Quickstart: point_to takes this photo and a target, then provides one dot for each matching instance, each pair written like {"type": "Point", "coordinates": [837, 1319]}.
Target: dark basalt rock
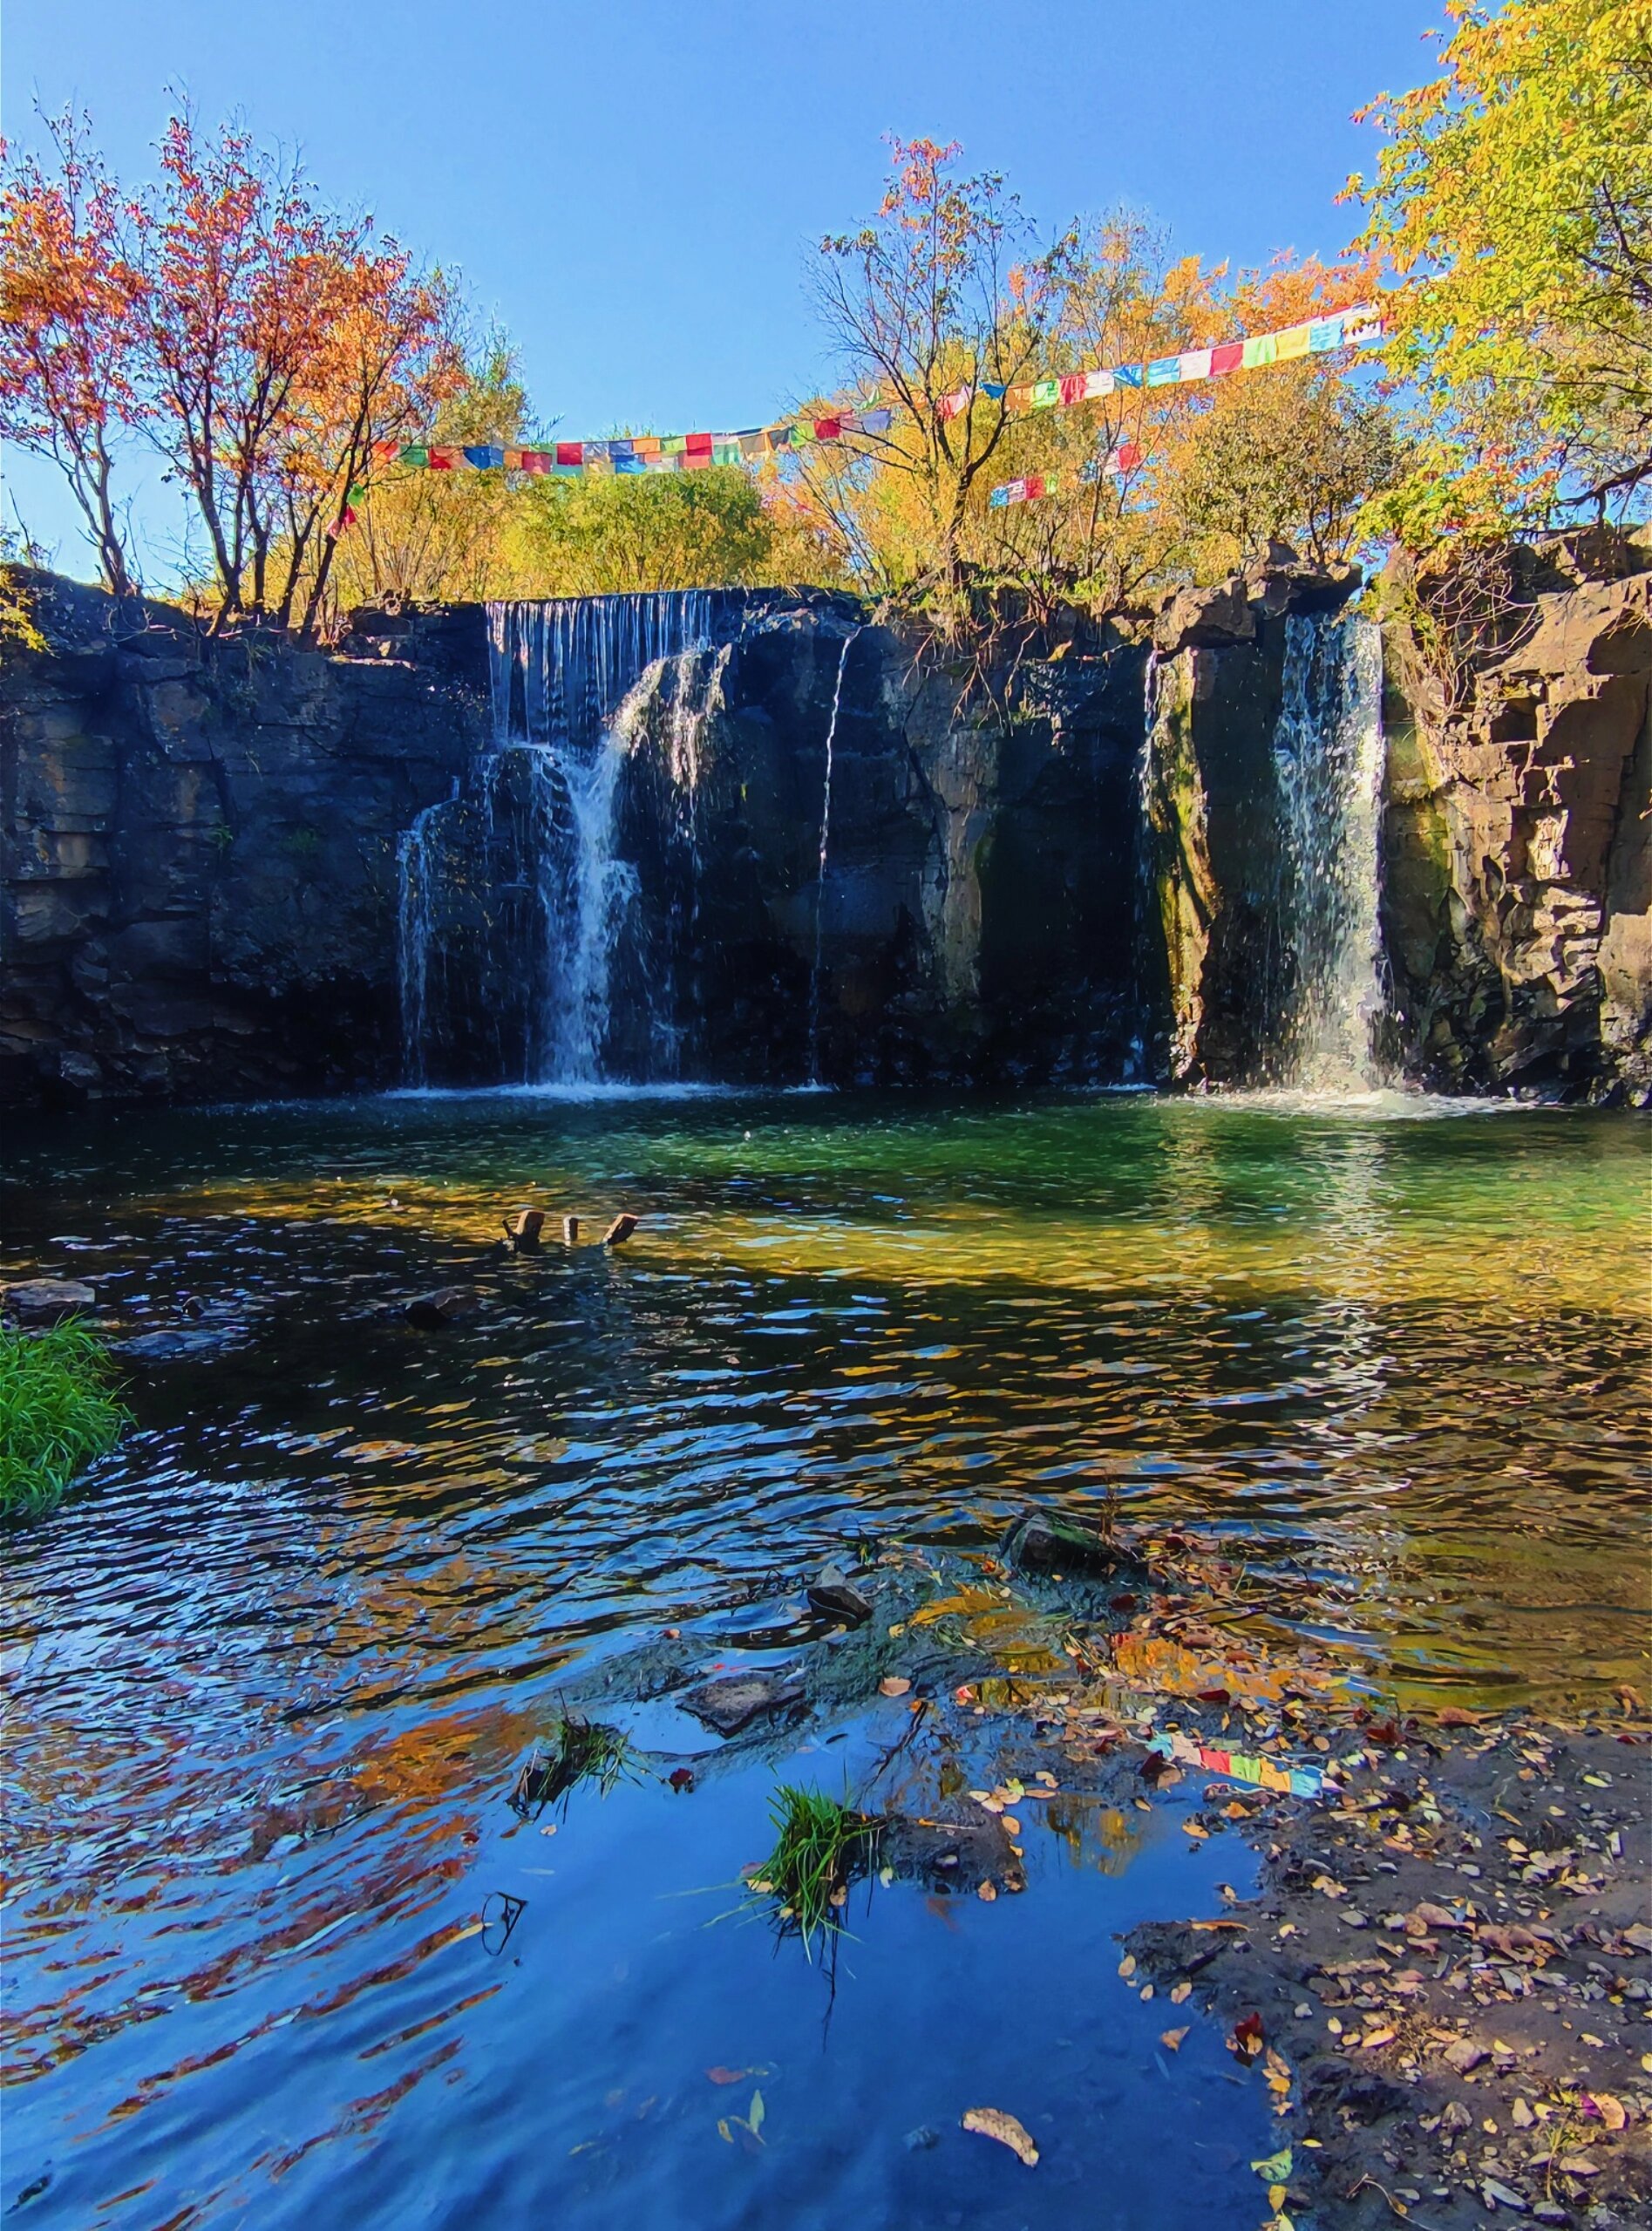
{"type": "Point", "coordinates": [447, 1305]}
{"type": "Point", "coordinates": [835, 1597]}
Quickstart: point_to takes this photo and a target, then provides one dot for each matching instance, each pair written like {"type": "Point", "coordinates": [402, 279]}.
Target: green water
{"type": "Point", "coordinates": [274, 1665]}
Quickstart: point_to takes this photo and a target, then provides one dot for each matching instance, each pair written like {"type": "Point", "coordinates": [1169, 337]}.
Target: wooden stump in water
{"type": "Point", "coordinates": [619, 1231]}
{"type": "Point", "coordinates": [570, 1231]}
{"type": "Point", "coordinates": [522, 1231]}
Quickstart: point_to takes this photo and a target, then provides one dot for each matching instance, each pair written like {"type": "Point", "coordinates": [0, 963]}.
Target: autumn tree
{"type": "Point", "coordinates": [1514, 198]}
{"type": "Point", "coordinates": [69, 319]}
{"type": "Point", "coordinates": [603, 533]}
{"type": "Point", "coordinates": [279, 341]}
{"type": "Point", "coordinates": [940, 297]}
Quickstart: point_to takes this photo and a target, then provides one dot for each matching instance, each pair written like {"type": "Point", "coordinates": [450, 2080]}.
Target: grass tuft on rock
{"type": "Point", "coordinates": [56, 1411]}
{"type": "Point", "coordinates": [579, 1750]}
{"type": "Point", "coordinates": [820, 1846]}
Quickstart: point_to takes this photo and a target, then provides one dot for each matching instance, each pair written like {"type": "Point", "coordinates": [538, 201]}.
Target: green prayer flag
{"type": "Point", "coordinates": [1262, 350]}
{"type": "Point", "coordinates": [416, 453]}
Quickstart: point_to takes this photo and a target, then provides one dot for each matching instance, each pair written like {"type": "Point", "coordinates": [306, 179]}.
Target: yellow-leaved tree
{"type": "Point", "coordinates": [1514, 199]}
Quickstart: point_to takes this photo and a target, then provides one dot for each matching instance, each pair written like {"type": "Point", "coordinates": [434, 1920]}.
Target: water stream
{"type": "Point", "coordinates": [1328, 754]}
{"type": "Point", "coordinates": [820, 877]}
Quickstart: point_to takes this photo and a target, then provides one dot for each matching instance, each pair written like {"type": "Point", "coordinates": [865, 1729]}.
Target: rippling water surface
{"type": "Point", "coordinates": [274, 1666]}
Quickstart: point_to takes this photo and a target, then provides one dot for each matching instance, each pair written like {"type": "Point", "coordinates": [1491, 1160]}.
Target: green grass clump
{"type": "Point", "coordinates": [580, 1751]}
{"type": "Point", "coordinates": [820, 1846]}
{"type": "Point", "coordinates": [56, 1411]}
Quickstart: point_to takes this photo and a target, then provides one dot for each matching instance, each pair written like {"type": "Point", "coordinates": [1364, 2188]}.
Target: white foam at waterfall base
{"type": "Point", "coordinates": [1328, 756]}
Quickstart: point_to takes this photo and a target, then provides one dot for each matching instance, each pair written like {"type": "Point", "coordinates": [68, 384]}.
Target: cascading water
{"type": "Point", "coordinates": [561, 671]}
{"type": "Point", "coordinates": [820, 880]}
{"type": "Point", "coordinates": [1328, 756]}
{"type": "Point", "coordinates": [413, 895]}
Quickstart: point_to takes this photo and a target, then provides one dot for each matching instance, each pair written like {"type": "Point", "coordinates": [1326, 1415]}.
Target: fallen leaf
{"type": "Point", "coordinates": [1372, 2038]}
{"type": "Point", "coordinates": [1192, 1828]}
{"type": "Point", "coordinates": [992, 2122]}
{"type": "Point", "coordinates": [1276, 2168]}
{"type": "Point", "coordinates": [1172, 2039]}
{"type": "Point", "coordinates": [985, 1891]}
{"type": "Point", "coordinates": [724, 2133]}
{"type": "Point", "coordinates": [728, 2075]}
{"type": "Point", "coordinates": [754, 2114]}
{"type": "Point", "coordinates": [894, 1684]}
{"type": "Point", "coordinates": [1179, 1992]}
{"type": "Point", "coordinates": [1454, 1716]}
{"type": "Point", "coordinates": [1127, 1965]}
{"type": "Point", "coordinates": [1611, 2111]}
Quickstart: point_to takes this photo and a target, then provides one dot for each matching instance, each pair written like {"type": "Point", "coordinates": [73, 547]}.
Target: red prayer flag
{"type": "Point", "coordinates": [445, 460]}
{"type": "Point", "coordinates": [1072, 387]}
{"type": "Point", "coordinates": [570, 452]}
{"type": "Point", "coordinates": [698, 446]}
{"type": "Point", "coordinates": [1228, 358]}
{"type": "Point", "coordinates": [1127, 456]}
{"type": "Point", "coordinates": [828, 429]}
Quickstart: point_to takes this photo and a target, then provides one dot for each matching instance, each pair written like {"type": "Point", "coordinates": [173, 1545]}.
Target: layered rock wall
{"type": "Point", "coordinates": [1518, 894]}
{"type": "Point", "coordinates": [200, 848]}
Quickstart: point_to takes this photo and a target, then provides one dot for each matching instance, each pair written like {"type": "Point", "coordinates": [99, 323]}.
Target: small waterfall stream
{"type": "Point", "coordinates": [821, 879]}
{"type": "Point", "coordinates": [1328, 756]}
{"type": "Point", "coordinates": [413, 896]}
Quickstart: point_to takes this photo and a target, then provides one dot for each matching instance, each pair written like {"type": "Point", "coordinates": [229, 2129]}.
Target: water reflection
{"type": "Point", "coordinates": [274, 1668]}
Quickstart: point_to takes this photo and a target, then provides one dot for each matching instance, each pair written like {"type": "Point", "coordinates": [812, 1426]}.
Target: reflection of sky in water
{"type": "Point", "coordinates": [273, 1667]}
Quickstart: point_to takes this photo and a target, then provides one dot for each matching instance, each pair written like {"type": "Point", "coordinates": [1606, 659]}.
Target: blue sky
{"type": "Point", "coordinates": [633, 187]}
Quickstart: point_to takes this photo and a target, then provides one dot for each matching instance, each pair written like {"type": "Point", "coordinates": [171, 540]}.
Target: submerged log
{"type": "Point", "coordinates": [522, 1231]}
{"type": "Point", "coordinates": [447, 1305]}
{"type": "Point", "coordinates": [619, 1231]}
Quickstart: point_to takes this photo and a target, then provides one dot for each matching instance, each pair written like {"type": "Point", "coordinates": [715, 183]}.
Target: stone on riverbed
{"type": "Point", "coordinates": [47, 1301]}
{"type": "Point", "coordinates": [834, 1594]}
{"type": "Point", "coordinates": [447, 1305]}
{"type": "Point", "coordinates": [185, 1345]}
{"type": "Point", "coordinates": [953, 1856]}
{"type": "Point", "coordinates": [1045, 1542]}
{"type": "Point", "coordinates": [733, 1701]}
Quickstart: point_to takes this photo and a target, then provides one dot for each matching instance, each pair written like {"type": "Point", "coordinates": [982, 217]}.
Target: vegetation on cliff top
{"type": "Point", "coordinates": [228, 315]}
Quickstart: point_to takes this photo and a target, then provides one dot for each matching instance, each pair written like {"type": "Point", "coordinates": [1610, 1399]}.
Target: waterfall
{"type": "Point", "coordinates": [414, 890]}
{"type": "Point", "coordinates": [821, 878]}
{"type": "Point", "coordinates": [1328, 756]}
{"type": "Point", "coordinates": [561, 672]}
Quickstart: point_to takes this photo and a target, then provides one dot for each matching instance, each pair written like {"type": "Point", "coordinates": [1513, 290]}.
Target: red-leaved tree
{"type": "Point", "coordinates": [70, 326]}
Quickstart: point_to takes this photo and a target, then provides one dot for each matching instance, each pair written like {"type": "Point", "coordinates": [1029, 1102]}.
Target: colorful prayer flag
{"type": "Point", "coordinates": [1261, 348]}
{"type": "Point", "coordinates": [1126, 458]}
{"type": "Point", "coordinates": [1129, 375]}
{"type": "Point", "coordinates": [1291, 343]}
{"type": "Point", "coordinates": [415, 453]}
{"type": "Point", "coordinates": [697, 444]}
{"type": "Point", "coordinates": [876, 422]}
{"type": "Point", "coordinates": [485, 456]}
{"type": "Point", "coordinates": [1325, 333]}
{"type": "Point", "coordinates": [534, 461]}
{"type": "Point", "coordinates": [1045, 393]}
{"type": "Point", "coordinates": [446, 460]}
{"type": "Point", "coordinates": [1194, 363]}
{"type": "Point", "coordinates": [1018, 399]}
{"type": "Point", "coordinates": [627, 462]}
{"type": "Point", "coordinates": [569, 453]}
{"type": "Point", "coordinates": [1072, 389]}
{"type": "Point", "coordinates": [1230, 358]}
{"type": "Point", "coordinates": [725, 452]}
{"type": "Point", "coordinates": [1097, 382]}
{"type": "Point", "coordinates": [387, 452]}
{"type": "Point", "coordinates": [1164, 371]}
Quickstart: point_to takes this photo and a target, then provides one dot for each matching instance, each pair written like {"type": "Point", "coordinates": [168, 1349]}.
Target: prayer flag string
{"type": "Point", "coordinates": [643, 453]}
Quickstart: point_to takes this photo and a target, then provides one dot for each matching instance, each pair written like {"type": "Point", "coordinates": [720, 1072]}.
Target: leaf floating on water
{"type": "Point", "coordinates": [894, 1684]}
{"type": "Point", "coordinates": [1172, 2039]}
{"type": "Point", "coordinates": [721, 2075]}
{"type": "Point", "coordinates": [754, 2114]}
{"type": "Point", "coordinates": [992, 2122]}
{"type": "Point", "coordinates": [724, 2133]}
{"type": "Point", "coordinates": [986, 1891]}
{"type": "Point", "coordinates": [1275, 2168]}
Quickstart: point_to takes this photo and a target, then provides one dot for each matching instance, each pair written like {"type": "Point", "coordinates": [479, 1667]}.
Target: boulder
{"type": "Point", "coordinates": [1203, 619]}
{"type": "Point", "coordinates": [48, 1301]}
{"type": "Point", "coordinates": [835, 1597]}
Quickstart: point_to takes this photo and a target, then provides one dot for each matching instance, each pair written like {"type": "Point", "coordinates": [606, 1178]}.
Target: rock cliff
{"type": "Point", "coordinates": [1518, 897]}
{"type": "Point", "coordinates": [199, 846]}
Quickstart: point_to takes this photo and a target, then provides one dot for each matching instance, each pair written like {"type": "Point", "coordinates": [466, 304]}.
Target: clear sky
{"type": "Point", "coordinates": [633, 187]}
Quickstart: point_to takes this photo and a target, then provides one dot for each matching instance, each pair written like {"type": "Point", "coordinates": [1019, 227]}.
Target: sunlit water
{"type": "Point", "coordinates": [273, 1668]}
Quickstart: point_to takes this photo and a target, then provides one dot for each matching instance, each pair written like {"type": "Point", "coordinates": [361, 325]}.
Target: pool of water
{"type": "Point", "coordinates": [274, 1666]}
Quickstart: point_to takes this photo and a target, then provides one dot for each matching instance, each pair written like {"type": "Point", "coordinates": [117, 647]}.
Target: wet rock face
{"type": "Point", "coordinates": [1518, 898]}
{"type": "Point", "coordinates": [200, 885]}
